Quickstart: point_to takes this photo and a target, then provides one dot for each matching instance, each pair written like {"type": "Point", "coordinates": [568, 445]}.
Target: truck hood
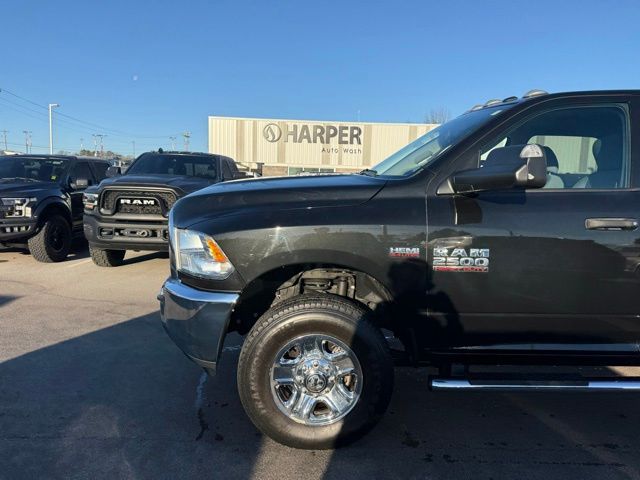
{"type": "Point", "coordinates": [180, 183]}
{"type": "Point", "coordinates": [15, 187]}
{"type": "Point", "coordinates": [277, 193]}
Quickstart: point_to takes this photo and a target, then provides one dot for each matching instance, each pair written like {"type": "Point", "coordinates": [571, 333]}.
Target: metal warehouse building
{"type": "Point", "coordinates": [290, 147]}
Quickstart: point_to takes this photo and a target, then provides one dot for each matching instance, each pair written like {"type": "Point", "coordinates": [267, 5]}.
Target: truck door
{"type": "Point", "coordinates": [556, 268]}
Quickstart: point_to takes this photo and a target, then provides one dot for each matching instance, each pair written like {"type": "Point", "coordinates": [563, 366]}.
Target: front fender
{"type": "Point", "coordinates": [350, 237]}
{"type": "Point", "coordinates": [58, 201]}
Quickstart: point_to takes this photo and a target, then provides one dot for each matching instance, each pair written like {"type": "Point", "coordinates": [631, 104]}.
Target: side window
{"type": "Point", "coordinates": [586, 147]}
{"type": "Point", "coordinates": [100, 169]}
{"type": "Point", "coordinates": [82, 170]}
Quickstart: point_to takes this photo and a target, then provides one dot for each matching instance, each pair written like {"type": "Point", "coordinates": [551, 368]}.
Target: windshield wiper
{"type": "Point", "coordinates": [368, 172]}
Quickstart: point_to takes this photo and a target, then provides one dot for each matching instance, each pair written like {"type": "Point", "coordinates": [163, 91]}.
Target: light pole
{"type": "Point", "coordinates": [51, 107]}
{"type": "Point", "coordinates": [173, 143]}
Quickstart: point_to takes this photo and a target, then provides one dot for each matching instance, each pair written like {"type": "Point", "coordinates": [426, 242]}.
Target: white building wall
{"type": "Point", "coordinates": [280, 144]}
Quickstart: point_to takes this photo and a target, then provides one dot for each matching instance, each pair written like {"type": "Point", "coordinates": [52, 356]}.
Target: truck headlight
{"type": "Point", "coordinates": [90, 200]}
{"type": "Point", "coordinates": [18, 207]}
{"type": "Point", "coordinates": [199, 255]}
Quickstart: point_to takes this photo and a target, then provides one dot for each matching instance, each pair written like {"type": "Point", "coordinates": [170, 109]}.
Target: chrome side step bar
{"type": "Point", "coordinates": [601, 385]}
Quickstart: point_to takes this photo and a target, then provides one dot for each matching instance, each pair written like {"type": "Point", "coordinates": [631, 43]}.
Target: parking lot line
{"type": "Point", "coordinates": [81, 262]}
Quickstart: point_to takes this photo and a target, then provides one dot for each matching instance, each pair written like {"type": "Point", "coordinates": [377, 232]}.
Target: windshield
{"type": "Point", "coordinates": [427, 148]}
{"type": "Point", "coordinates": [32, 168]}
{"type": "Point", "coordinates": [166, 164]}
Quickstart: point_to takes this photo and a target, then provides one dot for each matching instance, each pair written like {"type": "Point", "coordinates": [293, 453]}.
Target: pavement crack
{"type": "Point", "coordinates": [200, 398]}
{"type": "Point", "coordinates": [204, 426]}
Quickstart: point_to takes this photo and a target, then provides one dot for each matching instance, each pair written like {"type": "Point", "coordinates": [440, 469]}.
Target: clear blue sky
{"type": "Point", "coordinates": [159, 68]}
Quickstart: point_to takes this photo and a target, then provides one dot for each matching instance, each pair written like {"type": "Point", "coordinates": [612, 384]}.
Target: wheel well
{"type": "Point", "coordinates": [54, 208]}
{"type": "Point", "coordinates": [286, 282]}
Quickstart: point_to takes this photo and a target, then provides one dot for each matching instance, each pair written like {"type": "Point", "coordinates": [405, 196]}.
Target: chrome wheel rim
{"type": "Point", "coordinates": [316, 380]}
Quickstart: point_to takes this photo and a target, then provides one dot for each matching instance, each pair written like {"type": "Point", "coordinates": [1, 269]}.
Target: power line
{"type": "Point", "coordinates": [38, 147]}
{"type": "Point", "coordinates": [91, 124]}
{"type": "Point", "coordinates": [20, 109]}
{"type": "Point", "coordinates": [62, 124]}
{"type": "Point", "coordinates": [77, 125]}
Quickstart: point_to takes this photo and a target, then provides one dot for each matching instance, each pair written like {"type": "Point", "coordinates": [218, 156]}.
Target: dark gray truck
{"type": "Point", "coordinates": [508, 235]}
{"type": "Point", "coordinates": [129, 211]}
{"type": "Point", "coordinates": [41, 201]}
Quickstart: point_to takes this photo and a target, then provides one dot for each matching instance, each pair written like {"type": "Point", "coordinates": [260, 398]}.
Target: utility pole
{"type": "Point", "coordinates": [97, 137]}
{"type": "Point", "coordinates": [134, 148]}
{"type": "Point", "coordinates": [4, 133]}
{"type": "Point", "coordinates": [173, 143]}
{"type": "Point", "coordinates": [51, 107]}
{"type": "Point", "coordinates": [27, 141]}
{"type": "Point", "coordinates": [81, 143]}
{"type": "Point", "coordinates": [187, 136]}
{"type": "Point", "coordinates": [101, 145]}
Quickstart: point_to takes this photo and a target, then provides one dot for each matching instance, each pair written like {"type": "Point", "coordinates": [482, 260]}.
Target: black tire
{"type": "Point", "coordinates": [53, 242]}
{"type": "Point", "coordinates": [330, 315]}
{"type": "Point", "coordinates": [106, 258]}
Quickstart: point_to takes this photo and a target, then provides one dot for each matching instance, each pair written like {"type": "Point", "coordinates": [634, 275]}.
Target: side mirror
{"type": "Point", "coordinates": [504, 168]}
{"type": "Point", "coordinates": [113, 171]}
{"type": "Point", "coordinates": [79, 183]}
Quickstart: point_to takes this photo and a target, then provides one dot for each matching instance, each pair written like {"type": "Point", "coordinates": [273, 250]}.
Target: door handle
{"type": "Point", "coordinates": [611, 223]}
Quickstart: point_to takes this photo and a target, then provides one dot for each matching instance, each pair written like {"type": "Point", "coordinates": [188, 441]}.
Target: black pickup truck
{"type": "Point", "coordinates": [41, 201]}
{"type": "Point", "coordinates": [129, 211]}
{"type": "Point", "coordinates": [506, 236]}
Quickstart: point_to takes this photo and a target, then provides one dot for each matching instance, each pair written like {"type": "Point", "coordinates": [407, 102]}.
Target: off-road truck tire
{"type": "Point", "coordinates": [106, 258]}
{"type": "Point", "coordinates": [53, 242]}
{"type": "Point", "coordinates": [312, 319]}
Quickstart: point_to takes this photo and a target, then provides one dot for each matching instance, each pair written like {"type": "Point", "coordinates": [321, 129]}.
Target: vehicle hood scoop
{"type": "Point", "coordinates": [180, 183]}
{"type": "Point", "coordinates": [277, 193]}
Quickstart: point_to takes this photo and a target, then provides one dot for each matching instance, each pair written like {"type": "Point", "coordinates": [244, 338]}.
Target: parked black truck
{"type": "Point", "coordinates": [41, 201]}
{"type": "Point", "coordinates": [129, 211]}
{"type": "Point", "coordinates": [508, 235]}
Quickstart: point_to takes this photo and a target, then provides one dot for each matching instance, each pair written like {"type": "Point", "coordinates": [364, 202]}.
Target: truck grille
{"type": "Point", "coordinates": [114, 201]}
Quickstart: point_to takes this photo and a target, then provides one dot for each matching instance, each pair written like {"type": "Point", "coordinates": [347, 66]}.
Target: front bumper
{"type": "Point", "coordinates": [16, 229]}
{"type": "Point", "coordinates": [126, 235]}
{"type": "Point", "coordinates": [196, 321]}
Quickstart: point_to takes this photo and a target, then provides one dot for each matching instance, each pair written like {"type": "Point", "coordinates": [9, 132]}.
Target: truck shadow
{"type": "Point", "coordinates": [132, 260]}
{"type": "Point", "coordinates": [79, 250]}
{"type": "Point", "coordinates": [123, 402]}
{"type": "Point", "coordinates": [7, 299]}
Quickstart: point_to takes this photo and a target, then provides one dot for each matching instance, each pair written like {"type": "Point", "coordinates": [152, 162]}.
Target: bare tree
{"type": "Point", "coordinates": [438, 115]}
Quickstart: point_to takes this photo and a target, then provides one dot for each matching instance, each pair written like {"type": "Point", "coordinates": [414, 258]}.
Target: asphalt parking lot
{"type": "Point", "coordinates": [91, 387]}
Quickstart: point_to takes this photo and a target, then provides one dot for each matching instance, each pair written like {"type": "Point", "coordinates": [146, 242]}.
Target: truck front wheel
{"type": "Point", "coordinates": [53, 242]}
{"type": "Point", "coordinates": [106, 258]}
{"type": "Point", "coordinates": [314, 372]}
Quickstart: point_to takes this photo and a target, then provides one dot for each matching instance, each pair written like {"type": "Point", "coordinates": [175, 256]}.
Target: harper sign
{"type": "Point", "coordinates": [322, 134]}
